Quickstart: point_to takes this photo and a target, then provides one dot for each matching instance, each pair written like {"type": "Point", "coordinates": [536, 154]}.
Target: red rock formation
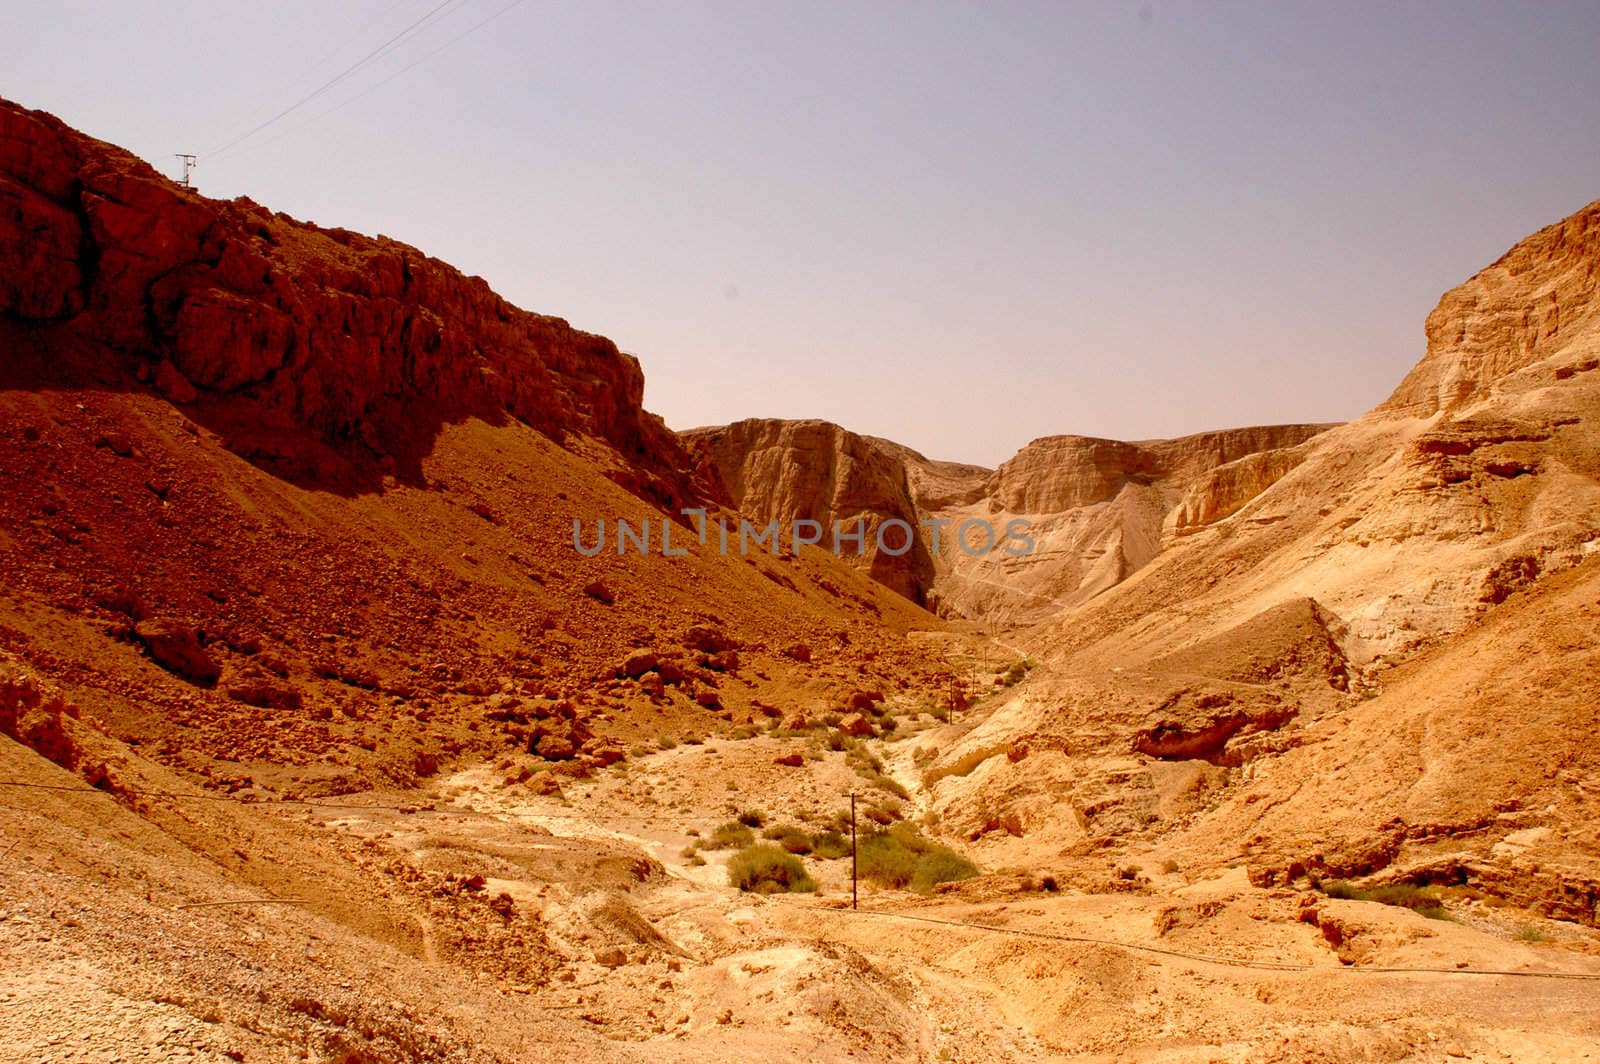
{"type": "Point", "coordinates": [266, 327]}
{"type": "Point", "coordinates": [814, 470]}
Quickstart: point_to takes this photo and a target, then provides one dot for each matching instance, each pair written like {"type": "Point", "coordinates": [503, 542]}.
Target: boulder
{"type": "Point", "coordinates": [722, 661]}
{"type": "Point", "coordinates": [555, 748]}
{"type": "Point", "coordinates": [856, 724]}
{"type": "Point", "coordinates": [177, 647]}
{"type": "Point", "coordinates": [864, 701]}
{"type": "Point", "coordinates": [638, 663]}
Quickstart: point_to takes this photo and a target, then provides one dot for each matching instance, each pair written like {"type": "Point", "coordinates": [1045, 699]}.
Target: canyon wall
{"type": "Point", "coordinates": [1096, 510]}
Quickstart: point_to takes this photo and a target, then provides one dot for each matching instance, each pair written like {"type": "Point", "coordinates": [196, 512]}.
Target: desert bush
{"type": "Point", "coordinates": [830, 844]}
{"type": "Point", "coordinates": [1529, 933]}
{"type": "Point", "coordinates": [883, 859]}
{"type": "Point", "coordinates": [731, 835]}
{"type": "Point", "coordinates": [792, 838]}
{"type": "Point", "coordinates": [751, 818]}
{"type": "Point", "coordinates": [941, 865]}
{"type": "Point", "coordinates": [1420, 900]}
{"type": "Point", "coordinates": [666, 742]}
{"type": "Point", "coordinates": [885, 783]}
{"type": "Point", "coordinates": [903, 857]}
{"type": "Point", "coordinates": [768, 869]}
{"type": "Point", "coordinates": [1016, 673]}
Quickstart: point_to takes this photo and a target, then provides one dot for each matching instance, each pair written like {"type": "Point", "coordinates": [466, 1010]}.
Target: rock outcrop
{"type": "Point", "coordinates": [1096, 510]}
{"type": "Point", "coordinates": [272, 330]}
{"type": "Point", "coordinates": [816, 471]}
{"type": "Point", "coordinates": [1537, 299]}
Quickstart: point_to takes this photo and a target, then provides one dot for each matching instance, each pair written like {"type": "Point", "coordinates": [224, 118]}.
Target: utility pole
{"type": "Point", "coordinates": [853, 865]}
{"type": "Point", "coordinates": [188, 169]}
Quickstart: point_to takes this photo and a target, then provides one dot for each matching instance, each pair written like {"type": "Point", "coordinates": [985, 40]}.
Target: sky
{"type": "Point", "coordinates": [959, 226]}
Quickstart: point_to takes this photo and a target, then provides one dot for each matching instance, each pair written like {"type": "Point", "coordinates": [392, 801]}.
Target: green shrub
{"type": "Point", "coordinates": [903, 857]}
{"type": "Point", "coordinates": [767, 869]}
{"type": "Point", "coordinates": [731, 835]}
{"type": "Point", "coordinates": [666, 742]}
{"type": "Point", "coordinates": [1530, 934]}
{"type": "Point", "coordinates": [885, 783]}
{"type": "Point", "coordinates": [883, 859]}
{"type": "Point", "coordinates": [941, 865]}
{"type": "Point", "coordinates": [830, 844]}
{"type": "Point", "coordinates": [1420, 900]}
{"type": "Point", "coordinates": [791, 838]}
{"type": "Point", "coordinates": [1017, 672]}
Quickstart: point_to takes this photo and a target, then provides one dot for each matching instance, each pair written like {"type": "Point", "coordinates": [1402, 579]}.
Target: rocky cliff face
{"type": "Point", "coordinates": [813, 470]}
{"type": "Point", "coordinates": [1218, 493]}
{"type": "Point", "coordinates": [1097, 509]}
{"type": "Point", "coordinates": [277, 332]}
{"type": "Point", "coordinates": [1534, 301]}
{"type": "Point", "coordinates": [1059, 473]}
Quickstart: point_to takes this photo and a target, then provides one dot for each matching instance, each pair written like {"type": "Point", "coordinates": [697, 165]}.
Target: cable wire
{"type": "Point", "coordinates": [314, 119]}
{"type": "Point", "coordinates": [432, 15]}
{"type": "Point", "coordinates": [1208, 958]}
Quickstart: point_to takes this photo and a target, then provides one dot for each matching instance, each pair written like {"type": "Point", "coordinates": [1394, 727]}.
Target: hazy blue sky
{"type": "Point", "coordinates": [959, 226]}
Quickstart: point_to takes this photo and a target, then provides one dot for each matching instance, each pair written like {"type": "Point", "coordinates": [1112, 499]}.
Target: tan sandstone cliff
{"type": "Point", "coordinates": [1095, 510]}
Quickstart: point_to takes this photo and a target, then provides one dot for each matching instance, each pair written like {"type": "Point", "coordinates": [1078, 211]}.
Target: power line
{"type": "Point", "coordinates": [314, 119]}
{"type": "Point", "coordinates": [1208, 958]}
{"type": "Point", "coordinates": [432, 15]}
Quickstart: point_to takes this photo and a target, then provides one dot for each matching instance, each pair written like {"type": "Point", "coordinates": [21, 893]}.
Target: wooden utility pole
{"type": "Point", "coordinates": [853, 865]}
